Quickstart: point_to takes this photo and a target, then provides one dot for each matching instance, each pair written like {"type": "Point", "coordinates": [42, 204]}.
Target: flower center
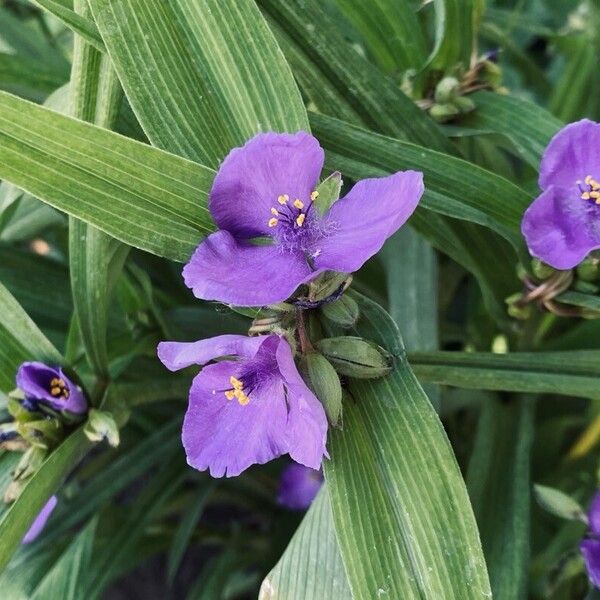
{"type": "Point", "coordinates": [291, 214]}
{"type": "Point", "coordinates": [589, 189]}
{"type": "Point", "coordinates": [58, 388]}
{"type": "Point", "coordinates": [237, 391]}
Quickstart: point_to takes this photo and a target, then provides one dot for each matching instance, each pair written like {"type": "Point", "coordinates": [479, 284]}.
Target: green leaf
{"type": "Point", "coordinates": [311, 566]}
{"type": "Point", "coordinates": [66, 578]}
{"type": "Point", "coordinates": [400, 506]}
{"type": "Point", "coordinates": [18, 518]}
{"type": "Point", "coordinates": [558, 503]}
{"type": "Point", "coordinates": [500, 488]}
{"type": "Point", "coordinates": [391, 31]}
{"type": "Point", "coordinates": [20, 340]}
{"type": "Point", "coordinates": [199, 84]}
{"type": "Point", "coordinates": [140, 195]}
{"type": "Point", "coordinates": [570, 373]}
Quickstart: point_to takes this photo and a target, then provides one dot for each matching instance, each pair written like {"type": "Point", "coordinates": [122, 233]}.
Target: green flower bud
{"type": "Point", "coordinates": [328, 191]}
{"type": "Point", "coordinates": [492, 73]}
{"type": "Point", "coordinates": [41, 433]}
{"type": "Point", "coordinates": [101, 426]}
{"type": "Point", "coordinates": [516, 309]}
{"type": "Point", "coordinates": [446, 90]}
{"type": "Point", "coordinates": [327, 284]}
{"type": "Point", "coordinates": [464, 104]}
{"type": "Point", "coordinates": [443, 112]}
{"type": "Point", "coordinates": [356, 357]}
{"type": "Point", "coordinates": [541, 270]}
{"type": "Point", "coordinates": [343, 312]}
{"type": "Point", "coordinates": [325, 383]}
{"type": "Point", "coordinates": [30, 463]}
{"type": "Point", "coordinates": [588, 269]}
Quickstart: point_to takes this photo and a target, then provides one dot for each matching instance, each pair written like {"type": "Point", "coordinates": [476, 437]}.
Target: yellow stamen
{"type": "Point", "coordinates": [230, 394]}
{"type": "Point", "coordinates": [272, 222]}
{"type": "Point", "coordinates": [283, 199]}
{"type": "Point", "coordinates": [55, 391]}
{"type": "Point", "coordinates": [314, 195]}
{"type": "Point", "coordinates": [586, 195]}
{"type": "Point", "coordinates": [594, 195]}
{"type": "Point", "coordinates": [588, 180]}
{"type": "Point", "coordinates": [236, 383]}
{"type": "Point", "coordinates": [595, 185]}
{"type": "Point", "coordinates": [54, 381]}
{"type": "Point", "coordinates": [66, 393]}
{"type": "Point", "coordinates": [242, 398]}
{"type": "Point", "coordinates": [298, 203]}
{"type": "Point", "coordinates": [274, 211]}
{"type": "Point", "coordinates": [300, 219]}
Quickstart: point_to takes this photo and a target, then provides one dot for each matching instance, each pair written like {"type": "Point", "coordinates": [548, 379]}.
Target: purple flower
{"type": "Point", "coordinates": [267, 189]}
{"type": "Point", "coordinates": [562, 225]}
{"type": "Point", "coordinates": [590, 547]}
{"type": "Point", "coordinates": [247, 409]}
{"type": "Point", "coordinates": [40, 521]}
{"type": "Point", "coordinates": [299, 486]}
{"type": "Point", "coordinates": [47, 385]}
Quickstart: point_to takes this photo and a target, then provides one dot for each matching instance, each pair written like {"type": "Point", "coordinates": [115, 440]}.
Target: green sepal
{"type": "Point", "coordinates": [356, 357]}
{"type": "Point", "coordinates": [343, 312]}
{"type": "Point", "coordinates": [329, 191]}
{"type": "Point", "coordinates": [41, 433]}
{"type": "Point", "coordinates": [325, 383]}
{"type": "Point", "coordinates": [101, 425]}
{"type": "Point", "coordinates": [559, 504]}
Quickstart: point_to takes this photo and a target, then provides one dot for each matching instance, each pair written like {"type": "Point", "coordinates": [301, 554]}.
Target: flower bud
{"type": "Point", "coordinates": [443, 112]}
{"type": "Point", "coordinates": [446, 90]}
{"type": "Point", "coordinates": [100, 426]}
{"type": "Point", "coordinates": [343, 312]}
{"type": "Point", "coordinates": [327, 284]}
{"type": "Point", "coordinates": [325, 383]}
{"type": "Point", "coordinates": [41, 433]}
{"type": "Point", "coordinates": [516, 309]}
{"type": "Point", "coordinates": [588, 269]}
{"type": "Point", "coordinates": [356, 357]}
{"type": "Point", "coordinates": [541, 270]}
{"type": "Point", "coordinates": [328, 192]}
{"type": "Point", "coordinates": [464, 104]}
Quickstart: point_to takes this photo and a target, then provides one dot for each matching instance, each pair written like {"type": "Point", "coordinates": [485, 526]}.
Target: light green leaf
{"type": "Point", "coordinates": [140, 195]}
{"type": "Point", "coordinates": [402, 516]}
{"type": "Point", "coordinates": [201, 77]}
{"type": "Point", "coordinates": [571, 373]}
{"type": "Point", "coordinates": [311, 566]}
{"type": "Point", "coordinates": [20, 340]}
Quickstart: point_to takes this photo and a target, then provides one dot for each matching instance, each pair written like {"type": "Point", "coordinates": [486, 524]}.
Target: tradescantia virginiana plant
{"type": "Point", "coordinates": [324, 217]}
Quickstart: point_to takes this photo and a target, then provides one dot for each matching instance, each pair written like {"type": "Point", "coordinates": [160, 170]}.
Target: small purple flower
{"type": "Point", "coordinates": [590, 547]}
{"type": "Point", "coordinates": [562, 225]}
{"type": "Point", "coordinates": [47, 385]}
{"type": "Point", "coordinates": [40, 521]}
{"type": "Point", "coordinates": [299, 486]}
{"type": "Point", "coordinates": [247, 409]}
{"type": "Point", "coordinates": [267, 189]}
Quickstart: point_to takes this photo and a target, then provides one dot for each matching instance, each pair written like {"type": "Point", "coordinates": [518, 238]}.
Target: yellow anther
{"type": "Point", "coordinates": [298, 203]}
{"type": "Point", "coordinates": [242, 398]}
{"type": "Point", "coordinates": [283, 199]}
{"type": "Point", "coordinates": [586, 195]}
{"type": "Point", "coordinates": [272, 222]}
{"type": "Point", "coordinates": [54, 381]}
{"type": "Point", "coordinates": [66, 393]}
{"type": "Point", "coordinates": [595, 185]}
{"type": "Point", "coordinates": [55, 391]}
{"type": "Point", "coordinates": [588, 180]}
{"type": "Point", "coordinates": [236, 384]}
{"type": "Point", "coordinates": [594, 195]}
{"type": "Point", "coordinates": [230, 394]}
{"type": "Point", "coordinates": [274, 211]}
{"type": "Point", "coordinates": [300, 219]}
{"type": "Point", "coordinates": [314, 195]}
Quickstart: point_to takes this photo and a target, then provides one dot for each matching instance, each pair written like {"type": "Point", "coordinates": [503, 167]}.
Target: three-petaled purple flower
{"type": "Point", "coordinates": [267, 188]}
{"type": "Point", "coordinates": [247, 409]}
{"type": "Point", "coordinates": [46, 385]}
{"type": "Point", "coordinates": [40, 521]}
{"type": "Point", "coordinates": [590, 547]}
{"type": "Point", "coordinates": [299, 486]}
{"type": "Point", "coordinates": [562, 225]}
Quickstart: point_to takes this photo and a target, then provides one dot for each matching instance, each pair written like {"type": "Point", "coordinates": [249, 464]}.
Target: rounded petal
{"type": "Point", "coordinates": [306, 427]}
{"type": "Point", "coordinates": [40, 521]}
{"type": "Point", "coordinates": [561, 229]}
{"type": "Point", "coordinates": [252, 177]}
{"type": "Point", "coordinates": [591, 556]}
{"type": "Point", "coordinates": [178, 355]}
{"type": "Point", "coordinates": [298, 486]}
{"type": "Point", "coordinates": [572, 154]}
{"type": "Point", "coordinates": [359, 223]}
{"type": "Point", "coordinates": [225, 437]}
{"type": "Point", "coordinates": [594, 514]}
{"type": "Point", "coordinates": [236, 273]}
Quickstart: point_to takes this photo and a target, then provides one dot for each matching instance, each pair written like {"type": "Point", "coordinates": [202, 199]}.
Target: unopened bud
{"type": "Point", "coordinates": [356, 357]}
{"type": "Point", "coordinates": [327, 284]}
{"type": "Point", "coordinates": [100, 426]}
{"type": "Point", "coordinates": [541, 270]}
{"type": "Point", "coordinates": [492, 73]}
{"type": "Point", "coordinates": [588, 269]}
{"type": "Point", "coordinates": [516, 309]}
{"type": "Point", "coordinates": [443, 112]}
{"type": "Point", "coordinates": [343, 312]}
{"type": "Point", "coordinates": [325, 383]}
{"type": "Point", "coordinates": [41, 433]}
{"type": "Point", "coordinates": [464, 104]}
{"type": "Point", "coordinates": [446, 90]}
{"type": "Point", "coordinates": [328, 192]}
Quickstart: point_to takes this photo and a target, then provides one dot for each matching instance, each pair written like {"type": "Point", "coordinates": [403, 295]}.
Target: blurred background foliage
{"type": "Point", "coordinates": [135, 521]}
